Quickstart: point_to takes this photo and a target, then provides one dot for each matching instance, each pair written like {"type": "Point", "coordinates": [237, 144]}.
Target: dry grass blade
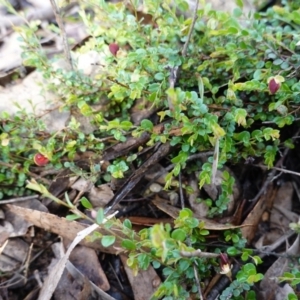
{"type": "Point", "coordinates": [55, 275]}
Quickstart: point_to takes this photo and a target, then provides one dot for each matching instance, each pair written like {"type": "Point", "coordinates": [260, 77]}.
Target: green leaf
{"type": "Point", "coordinates": [270, 155]}
{"type": "Point", "coordinates": [128, 245]}
{"type": "Point", "coordinates": [179, 234]}
{"type": "Point", "coordinates": [191, 222]}
{"type": "Point", "coordinates": [235, 238]}
{"type": "Point", "coordinates": [144, 261]}
{"type": "Point", "coordinates": [86, 203]}
{"type": "Point", "coordinates": [68, 200]}
{"type": "Point", "coordinates": [185, 213]}
{"type": "Point", "coordinates": [243, 136]}
{"type": "Point", "coordinates": [147, 125]}
{"type": "Point", "coordinates": [240, 116]}
{"type": "Point", "coordinates": [245, 256]}
{"type": "Point", "coordinates": [127, 224]}
{"type": "Point", "coordinates": [183, 265]}
{"type": "Point", "coordinates": [277, 61]}
{"type": "Point", "coordinates": [180, 158]}
{"type": "Point", "coordinates": [85, 109]}
{"type": "Point", "coordinates": [108, 240]}
{"type": "Point", "coordinates": [292, 297]}
{"type": "Point", "coordinates": [159, 76]}
{"type": "Point", "coordinates": [158, 235]}
{"type": "Point", "coordinates": [249, 268]}
{"type": "Point", "coordinates": [204, 232]}
{"type": "Point", "coordinates": [232, 251]}
{"type": "Point", "coordinates": [257, 260]}
{"type": "Point", "coordinates": [237, 12]}
{"type": "Point", "coordinates": [72, 217]}
{"type": "Point", "coordinates": [255, 278]}
{"type": "Point", "coordinates": [33, 185]}
{"type": "Point", "coordinates": [126, 125]}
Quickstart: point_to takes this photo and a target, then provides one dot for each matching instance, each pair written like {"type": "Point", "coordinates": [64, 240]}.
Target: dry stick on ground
{"type": "Point", "coordinates": [130, 183]}
{"type": "Point", "coordinates": [181, 191]}
{"type": "Point", "coordinates": [63, 33]}
{"type": "Point", "coordinates": [279, 169]}
{"type": "Point", "coordinates": [19, 199]}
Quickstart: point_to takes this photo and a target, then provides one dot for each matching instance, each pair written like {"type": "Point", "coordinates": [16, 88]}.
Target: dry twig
{"type": "Point", "coordinates": [59, 21]}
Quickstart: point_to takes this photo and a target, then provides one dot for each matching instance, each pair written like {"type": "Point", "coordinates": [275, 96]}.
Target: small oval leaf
{"type": "Point", "coordinates": [86, 203]}
{"type": "Point", "coordinates": [179, 235]}
{"type": "Point", "coordinates": [128, 244]}
{"type": "Point", "coordinates": [108, 240]}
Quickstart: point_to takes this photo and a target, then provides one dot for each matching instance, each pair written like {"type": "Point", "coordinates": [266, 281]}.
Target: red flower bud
{"type": "Point", "coordinates": [113, 48]}
{"type": "Point", "coordinates": [40, 160]}
{"type": "Point", "coordinates": [274, 83]}
{"type": "Point", "coordinates": [273, 86]}
{"type": "Point", "coordinates": [224, 265]}
{"type": "Point", "coordinates": [223, 259]}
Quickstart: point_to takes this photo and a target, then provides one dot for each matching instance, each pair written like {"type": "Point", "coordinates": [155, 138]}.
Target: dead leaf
{"type": "Point", "coordinates": [13, 255]}
{"type": "Point", "coordinates": [80, 277]}
{"type": "Point", "coordinates": [52, 280]}
{"type": "Point", "coordinates": [17, 226]}
{"type": "Point", "coordinates": [87, 262]}
{"type": "Point", "coordinates": [254, 217]}
{"type": "Point", "coordinates": [66, 229]}
{"type": "Point", "coordinates": [99, 196]}
{"type": "Point", "coordinates": [144, 284]}
{"type": "Point", "coordinates": [74, 284]}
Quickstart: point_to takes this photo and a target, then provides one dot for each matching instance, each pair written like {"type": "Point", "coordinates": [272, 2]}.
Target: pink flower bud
{"type": "Point", "coordinates": [113, 48]}
{"type": "Point", "coordinates": [275, 83]}
{"type": "Point", "coordinates": [40, 160]}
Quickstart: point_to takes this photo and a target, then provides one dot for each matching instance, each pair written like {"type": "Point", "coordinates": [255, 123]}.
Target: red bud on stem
{"type": "Point", "coordinates": [113, 48]}
{"type": "Point", "coordinates": [274, 83]}
{"type": "Point", "coordinates": [40, 160]}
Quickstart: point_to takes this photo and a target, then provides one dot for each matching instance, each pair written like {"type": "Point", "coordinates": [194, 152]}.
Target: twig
{"type": "Point", "coordinates": [270, 177]}
{"type": "Point", "coordinates": [116, 276]}
{"type": "Point", "coordinates": [27, 261]}
{"type": "Point", "coordinates": [133, 179]}
{"type": "Point", "coordinates": [19, 199]}
{"type": "Point", "coordinates": [197, 281]}
{"type": "Point", "coordinates": [277, 243]}
{"type": "Point", "coordinates": [198, 253]}
{"type": "Point", "coordinates": [63, 34]}
{"type": "Point", "coordinates": [279, 169]}
{"type": "Point", "coordinates": [264, 187]}
{"type": "Point", "coordinates": [296, 188]}
{"type": "Point", "coordinates": [181, 191]}
{"type": "Point", "coordinates": [174, 71]}
{"type": "Point", "coordinates": [186, 44]}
